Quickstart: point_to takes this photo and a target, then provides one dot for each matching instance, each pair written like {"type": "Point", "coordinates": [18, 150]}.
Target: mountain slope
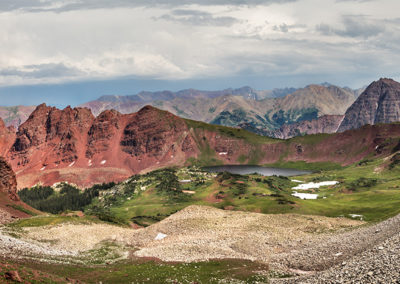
{"type": "Point", "coordinates": [72, 145]}
{"type": "Point", "coordinates": [7, 137]}
{"type": "Point", "coordinates": [379, 103]}
{"type": "Point", "coordinates": [323, 124]}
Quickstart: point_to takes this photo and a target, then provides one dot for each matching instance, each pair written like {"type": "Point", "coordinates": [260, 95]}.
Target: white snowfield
{"type": "Point", "coordinates": [103, 162]}
{"type": "Point", "coordinates": [312, 185]}
{"type": "Point", "coordinates": [305, 195]}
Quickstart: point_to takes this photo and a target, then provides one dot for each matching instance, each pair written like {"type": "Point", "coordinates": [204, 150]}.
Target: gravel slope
{"type": "Point", "coordinates": [199, 233]}
{"type": "Point", "coordinates": [326, 250]}
{"type": "Point", "coordinates": [367, 255]}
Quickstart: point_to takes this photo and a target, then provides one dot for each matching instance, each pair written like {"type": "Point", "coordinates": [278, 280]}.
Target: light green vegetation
{"type": "Point", "coordinates": [368, 188]}
{"type": "Point", "coordinates": [22, 209]}
{"type": "Point", "coordinates": [46, 220]}
{"type": "Point", "coordinates": [136, 271]}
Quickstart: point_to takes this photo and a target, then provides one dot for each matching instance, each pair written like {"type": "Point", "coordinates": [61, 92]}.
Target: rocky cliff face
{"type": "Point", "coordinates": [323, 124]}
{"type": "Point", "coordinates": [11, 207]}
{"type": "Point", "coordinates": [8, 181]}
{"type": "Point", "coordinates": [379, 103]}
{"type": "Point", "coordinates": [73, 145]}
{"type": "Point", "coordinates": [51, 135]}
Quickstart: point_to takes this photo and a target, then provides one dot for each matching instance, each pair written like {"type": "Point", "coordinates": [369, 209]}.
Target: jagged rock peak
{"type": "Point", "coordinates": [379, 103]}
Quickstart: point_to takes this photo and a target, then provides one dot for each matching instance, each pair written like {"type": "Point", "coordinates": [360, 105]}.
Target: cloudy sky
{"type": "Point", "coordinates": [68, 51]}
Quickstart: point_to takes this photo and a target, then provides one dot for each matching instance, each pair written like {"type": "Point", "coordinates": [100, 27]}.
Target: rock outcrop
{"type": "Point", "coordinates": [11, 207]}
{"type": "Point", "coordinates": [8, 181]}
{"type": "Point", "coordinates": [379, 103]}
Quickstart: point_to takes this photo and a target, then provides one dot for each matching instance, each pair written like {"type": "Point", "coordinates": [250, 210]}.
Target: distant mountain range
{"type": "Point", "coordinates": [263, 112]}
{"type": "Point", "coordinates": [15, 115]}
{"type": "Point", "coordinates": [279, 113]}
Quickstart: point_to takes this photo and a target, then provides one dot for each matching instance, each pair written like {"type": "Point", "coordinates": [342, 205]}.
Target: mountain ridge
{"type": "Point", "coordinates": [74, 146]}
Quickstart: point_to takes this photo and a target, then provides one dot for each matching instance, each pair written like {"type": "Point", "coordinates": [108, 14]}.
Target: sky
{"type": "Point", "coordinates": [66, 52]}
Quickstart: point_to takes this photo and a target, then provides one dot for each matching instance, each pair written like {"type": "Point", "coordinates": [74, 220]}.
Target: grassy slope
{"type": "Point", "coordinates": [140, 271]}
{"type": "Point", "coordinates": [231, 132]}
{"type": "Point", "coordinates": [273, 195]}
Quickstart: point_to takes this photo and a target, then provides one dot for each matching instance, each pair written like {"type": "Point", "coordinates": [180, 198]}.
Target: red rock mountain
{"type": "Point", "coordinates": [379, 103]}
{"type": "Point", "coordinates": [72, 145]}
{"type": "Point", "coordinates": [10, 203]}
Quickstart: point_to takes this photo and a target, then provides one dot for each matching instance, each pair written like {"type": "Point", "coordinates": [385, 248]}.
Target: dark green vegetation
{"type": "Point", "coordinates": [66, 197]}
{"type": "Point", "coordinates": [223, 271]}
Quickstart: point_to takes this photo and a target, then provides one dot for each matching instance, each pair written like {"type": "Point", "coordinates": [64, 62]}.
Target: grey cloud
{"type": "Point", "coordinates": [355, 27]}
{"type": "Point", "coordinates": [198, 18]}
{"type": "Point", "coordinates": [284, 28]}
{"type": "Point", "coordinates": [281, 28]}
{"type": "Point", "coordinates": [62, 5]}
{"type": "Point", "coordinates": [40, 71]}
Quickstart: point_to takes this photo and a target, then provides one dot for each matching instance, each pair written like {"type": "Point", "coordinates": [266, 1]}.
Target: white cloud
{"type": "Point", "coordinates": [56, 41]}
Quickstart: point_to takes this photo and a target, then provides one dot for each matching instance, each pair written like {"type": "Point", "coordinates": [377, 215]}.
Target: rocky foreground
{"type": "Point", "coordinates": [312, 249]}
{"type": "Point", "coordinates": [379, 264]}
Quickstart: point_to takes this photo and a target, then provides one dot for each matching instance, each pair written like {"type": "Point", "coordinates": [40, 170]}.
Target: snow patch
{"type": "Point", "coordinates": [185, 181]}
{"type": "Point", "coordinates": [103, 162]}
{"type": "Point", "coordinates": [296, 180]}
{"type": "Point", "coordinates": [42, 169]}
{"type": "Point", "coordinates": [70, 165]}
{"type": "Point", "coordinates": [305, 195]}
{"type": "Point", "coordinates": [356, 216]}
{"type": "Point", "coordinates": [160, 237]}
{"type": "Point", "coordinates": [90, 163]}
{"type": "Point", "coordinates": [313, 185]}
{"type": "Point", "coordinates": [223, 153]}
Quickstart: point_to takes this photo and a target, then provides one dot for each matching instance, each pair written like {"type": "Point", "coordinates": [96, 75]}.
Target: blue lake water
{"type": "Point", "coordinates": [247, 169]}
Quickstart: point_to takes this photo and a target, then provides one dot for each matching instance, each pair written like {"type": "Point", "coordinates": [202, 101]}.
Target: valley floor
{"type": "Point", "coordinates": [219, 229]}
